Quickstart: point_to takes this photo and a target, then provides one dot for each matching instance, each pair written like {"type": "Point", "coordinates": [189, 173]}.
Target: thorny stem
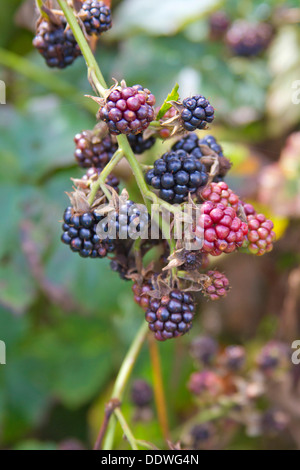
{"type": "Point", "coordinates": [126, 429]}
{"type": "Point", "coordinates": [123, 377]}
{"type": "Point", "coordinates": [158, 388]}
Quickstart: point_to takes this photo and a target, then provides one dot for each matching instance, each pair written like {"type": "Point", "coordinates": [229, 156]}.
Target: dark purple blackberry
{"type": "Point", "coordinates": [80, 233]}
{"type": "Point", "coordinates": [139, 144]}
{"type": "Point", "coordinates": [204, 349]}
{"type": "Point", "coordinates": [176, 174]}
{"type": "Point", "coordinates": [197, 112]}
{"type": "Point", "coordinates": [128, 110]}
{"type": "Point", "coordinates": [93, 150]}
{"type": "Point", "coordinates": [141, 393]}
{"type": "Point", "coordinates": [218, 25]}
{"type": "Point", "coordinates": [201, 434]}
{"type": "Point", "coordinates": [171, 316]}
{"type": "Point", "coordinates": [190, 144]}
{"type": "Point", "coordinates": [94, 173]}
{"type": "Point", "coordinates": [56, 43]}
{"type": "Point", "coordinates": [248, 39]}
{"type": "Point", "coordinates": [129, 222]}
{"type": "Point", "coordinates": [96, 17]}
{"type": "Point", "coordinates": [234, 357]}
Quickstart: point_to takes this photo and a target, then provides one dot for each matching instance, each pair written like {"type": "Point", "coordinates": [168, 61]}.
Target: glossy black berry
{"type": "Point", "coordinates": [92, 150]}
{"type": "Point", "coordinates": [139, 144]}
{"type": "Point", "coordinates": [176, 174]}
{"type": "Point", "coordinates": [96, 17]}
{"type": "Point", "coordinates": [197, 113]}
{"type": "Point", "coordinates": [56, 44]}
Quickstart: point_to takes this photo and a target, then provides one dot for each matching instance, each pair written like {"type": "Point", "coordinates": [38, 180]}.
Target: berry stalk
{"type": "Point", "coordinates": [40, 4]}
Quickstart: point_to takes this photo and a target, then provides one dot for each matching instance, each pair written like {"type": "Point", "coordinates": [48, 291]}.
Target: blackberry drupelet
{"type": "Point", "coordinates": [176, 174]}
{"type": "Point", "coordinates": [171, 316]}
{"type": "Point", "coordinates": [197, 112]}
{"type": "Point", "coordinates": [190, 144]}
{"type": "Point", "coordinates": [128, 110]}
{"type": "Point", "coordinates": [80, 233]}
{"type": "Point", "coordinates": [96, 17]}
{"type": "Point", "coordinates": [139, 144]}
{"type": "Point", "coordinates": [93, 150]}
{"type": "Point", "coordinates": [56, 43]}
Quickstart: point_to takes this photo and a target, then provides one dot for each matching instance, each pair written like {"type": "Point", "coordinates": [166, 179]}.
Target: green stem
{"type": "Point", "coordinates": [43, 77]}
{"type": "Point", "coordinates": [84, 46]}
{"type": "Point", "coordinates": [123, 377]}
{"type": "Point", "coordinates": [126, 429]}
{"type": "Point", "coordinates": [40, 4]}
{"type": "Point", "coordinates": [104, 174]}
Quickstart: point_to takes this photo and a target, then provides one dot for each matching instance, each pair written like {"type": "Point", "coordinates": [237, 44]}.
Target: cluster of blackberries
{"type": "Point", "coordinates": [80, 233]}
{"type": "Point", "coordinates": [197, 112]}
{"type": "Point", "coordinates": [96, 17]}
{"type": "Point", "coordinates": [92, 150]}
{"type": "Point", "coordinates": [176, 174]}
{"type": "Point", "coordinates": [171, 316]}
{"type": "Point", "coordinates": [56, 43]}
{"type": "Point", "coordinates": [128, 110]}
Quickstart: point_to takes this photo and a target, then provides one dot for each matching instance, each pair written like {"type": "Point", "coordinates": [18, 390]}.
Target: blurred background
{"type": "Point", "coordinates": [67, 322]}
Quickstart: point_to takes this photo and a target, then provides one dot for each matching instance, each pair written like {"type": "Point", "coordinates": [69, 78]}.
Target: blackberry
{"type": "Point", "coordinates": [260, 236]}
{"type": "Point", "coordinates": [194, 260]}
{"type": "Point", "coordinates": [93, 174]}
{"type": "Point", "coordinates": [212, 143]}
{"type": "Point", "coordinates": [171, 316]}
{"type": "Point", "coordinates": [217, 286]}
{"type": "Point", "coordinates": [247, 39]}
{"type": "Point", "coordinates": [128, 110]}
{"type": "Point", "coordinates": [219, 228]}
{"type": "Point", "coordinates": [218, 25]}
{"type": "Point", "coordinates": [96, 17]}
{"type": "Point", "coordinates": [141, 393]}
{"type": "Point", "coordinates": [197, 112]}
{"type": "Point", "coordinates": [93, 150]}
{"type": "Point", "coordinates": [201, 435]}
{"type": "Point", "coordinates": [205, 382]}
{"type": "Point", "coordinates": [130, 221]}
{"type": "Point", "coordinates": [234, 357]}
{"type": "Point", "coordinates": [56, 43]}
{"type": "Point", "coordinates": [176, 174]}
{"type": "Point", "coordinates": [80, 233]}
{"type": "Point", "coordinates": [190, 144]}
{"type": "Point", "coordinates": [139, 144]}
{"type": "Point", "coordinates": [140, 293]}
{"type": "Point", "coordinates": [219, 193]}
{"type": "Point", "coordinates": [204, 349]}
{"type": "Point", "coordinates": [273, 355]}
{"type": "Point", "coordinates": [224, 163]}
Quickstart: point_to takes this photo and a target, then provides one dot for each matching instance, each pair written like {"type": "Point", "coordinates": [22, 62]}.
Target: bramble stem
{"type": "Point", "coordinates": [158, 387]}
{"type": "Point", "coordinates": [126, 429]}
{"type": "Point", "coordinates": [123, 377]}
{"type": "Point", "coordinates": [104, 174]}
{"type": "Point", "coordinates": [40, 4]}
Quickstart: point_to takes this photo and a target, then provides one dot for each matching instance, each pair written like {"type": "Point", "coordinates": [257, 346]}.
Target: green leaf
{"type": "Point", "coordinates": [173, 96]}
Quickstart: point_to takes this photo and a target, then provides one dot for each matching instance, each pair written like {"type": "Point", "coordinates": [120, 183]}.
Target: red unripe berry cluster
{"type": "Point", "coordinates": [222, 231]}
{"type": "Point", "coordinates": [140, 294]}
{"type": "Point", "coordinates": [128, 110]}
{"type": "Point", "coordinates": [260, 235]}
{"type": "Point", "coordinates": [219, 286]}
{"type": "Point", "coordinates": [220, 193]}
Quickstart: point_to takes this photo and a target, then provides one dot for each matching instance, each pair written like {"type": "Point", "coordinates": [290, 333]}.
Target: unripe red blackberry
{"type": "Point", "coordinates": [205, 382]}
{"type": "Point", "coordinates": [197, 112]}
{"type": "Point", "coordinates": [217, 286]}
{"type": "Point", "coordinates": [96, 17]}
{"type": "Point", "coordinates": [222, 231]}
{"type": "Point", "coordinates": [141, 296]}
{"type": "Point", "coordinates": [260, 236]}
{"type": "Point", "coordinates": [171, 316]}
{"type": "Point", "coordinates": [80, 233]}
{"type": "Point", "coordinates": [93, 150]}
{"type": "Point", "coordinates": [248, 39]}
{"type": "Point", "coordinates": [128, 110]}
{"type": "Point", "coordinates": [139, 144]}
{"type": "Point", "coordinates": [204, 349]}
{"type": "Point", "coordinates": [219, 193]}
{"type": "Point", "coordinates": [234, 357]}
{"type": "Point", "coordinates": [176, 174]}
{"type": "Point", "coordinates": [141, 393]}
{"type": "Point", "coordinates": [56, 43]}
{"type": "Point", "coordinates": [93, 174]}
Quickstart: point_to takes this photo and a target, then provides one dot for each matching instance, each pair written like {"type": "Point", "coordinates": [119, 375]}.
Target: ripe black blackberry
{"type": "Point", "coordinates": [80, 233]}
{"type": "Point", "coordinates": [248, 39]}
{"type": "Point", "coordinates": [197, 112]}
{"type": "Point", "coordinates": [56, 43]}
{"type": "Point", "coordinates": [93, 150]}
{"type": "Point", "coordinates": [96, 17]}
{"type": "Point", "coordinates": [171, 316]}
{"type": "Point", "coordinates": [176, 174]}
{"type": "Point", "coordinates": [139, 144]}
{"type": "Point", "coordinates": [224, 163]}
{"type": "Point", "coordinates": [141, 393]}
{"type": "Point", "coordinates": [93, 174]}
{"type": "Point", "coordinates": [212, 143]}
{"type": "Point", "coordinates": [128, 110]}
{"type": "Point", "coordinates": [190, 144]}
